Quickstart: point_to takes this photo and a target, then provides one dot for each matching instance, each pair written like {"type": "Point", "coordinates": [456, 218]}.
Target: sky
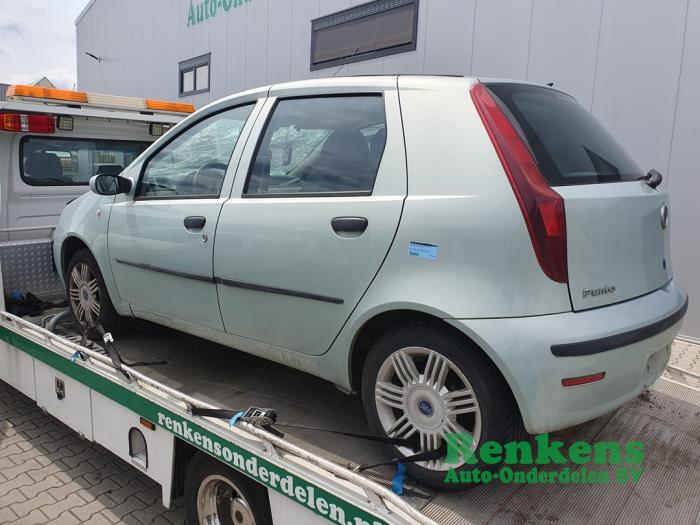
{"type": "Point", "coordinates": [37, 39]}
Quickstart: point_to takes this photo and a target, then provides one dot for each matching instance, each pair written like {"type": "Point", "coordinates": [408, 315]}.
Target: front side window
{"type": "Point", "coordinates": [319, 146]}
{"type": "Point", "coordinates": [53, 161]}
{"type": "Point", "coordinates": [194, 163]}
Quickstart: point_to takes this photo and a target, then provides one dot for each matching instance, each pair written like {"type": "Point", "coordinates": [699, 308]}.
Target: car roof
{"type": "Point", "coordinates": [361, 82]}
{"type": "Point", "coordinates": [315, 86]}
{"type": "Point", "coordinates": [344, 84]}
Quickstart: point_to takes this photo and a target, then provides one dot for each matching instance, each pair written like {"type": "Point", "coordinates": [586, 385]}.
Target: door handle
{"type": "Point", "coordinates": [349, 224]}
{"type": "Point", "coordinates": [195, 222]}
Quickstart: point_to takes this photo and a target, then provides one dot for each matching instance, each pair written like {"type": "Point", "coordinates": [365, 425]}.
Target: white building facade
{"type": "Point", "coordinates": [634, 63]}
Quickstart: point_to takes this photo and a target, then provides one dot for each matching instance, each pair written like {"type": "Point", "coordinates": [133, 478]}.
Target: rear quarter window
{"type": "Point", "coordinates": [568, 143]}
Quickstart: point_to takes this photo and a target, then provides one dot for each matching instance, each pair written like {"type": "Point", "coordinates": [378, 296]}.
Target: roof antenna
{"type": "Point", "coordinates": [345, 62]}
{"type": "Point", "coordinates": [550, 84]}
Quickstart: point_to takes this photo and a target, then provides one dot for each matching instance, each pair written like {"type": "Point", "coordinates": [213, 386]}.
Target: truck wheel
{"type": "Point", "coordinates": [217, 494]}
{"type": "Point", "coordinates": [421, 382]}
{"type": "Point", "coordinates": [87, 294]}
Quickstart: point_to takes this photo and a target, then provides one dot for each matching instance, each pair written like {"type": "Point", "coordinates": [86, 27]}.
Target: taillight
{"type": "Point", "coordinates": [542, 207]}
{"type": "Point", "coordinates": [28, 123]}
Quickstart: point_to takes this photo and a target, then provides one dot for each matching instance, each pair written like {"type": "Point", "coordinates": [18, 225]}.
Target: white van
{"type": "Point", "coordinates": [51, 142]}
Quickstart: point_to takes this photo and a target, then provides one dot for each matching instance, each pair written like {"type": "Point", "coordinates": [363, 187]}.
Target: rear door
{"type": "Point", "coordinates": [616, 225]}
{"type": "Point", "coordinates": [306, 231]}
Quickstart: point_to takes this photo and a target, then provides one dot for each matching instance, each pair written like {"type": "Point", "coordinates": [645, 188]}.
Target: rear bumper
{"type": "Point", "coordinates": [611, 342]}
{"type": "Point", "coordinates": [630, 342]}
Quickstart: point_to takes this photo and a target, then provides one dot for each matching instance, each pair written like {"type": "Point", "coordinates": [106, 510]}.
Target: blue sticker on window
{"type": "Point", "coordinates": [422, 250]}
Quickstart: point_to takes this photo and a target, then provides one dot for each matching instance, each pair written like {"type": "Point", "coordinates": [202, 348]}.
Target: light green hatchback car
{"type": "Point", "coordinates": [471, 255]}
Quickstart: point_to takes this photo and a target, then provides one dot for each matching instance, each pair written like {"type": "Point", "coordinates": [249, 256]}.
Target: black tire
{"type": "Point", "coordinates": [108, 316]}
{"type": "Point", "coordinates": [499, 415]}
{"type": "Point", "coordinates": [204, 470]}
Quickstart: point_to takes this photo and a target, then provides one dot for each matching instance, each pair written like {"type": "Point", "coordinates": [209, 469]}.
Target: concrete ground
{"type": "Point", "coordinates": [49, 474]}
{"type": "Point", "coordinates": [685, 356]}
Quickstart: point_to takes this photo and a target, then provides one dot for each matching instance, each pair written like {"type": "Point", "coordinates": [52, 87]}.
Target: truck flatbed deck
{"type": "Point", "coordinates": [666, 419]}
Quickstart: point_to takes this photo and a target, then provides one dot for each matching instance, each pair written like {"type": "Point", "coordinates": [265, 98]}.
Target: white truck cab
{"type": "Point", "coordinates": [51, 142]}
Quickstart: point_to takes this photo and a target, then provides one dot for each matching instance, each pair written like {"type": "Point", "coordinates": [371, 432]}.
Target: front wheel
{"type": "Point", "coordinates": [87, 294]}
{"type": "Point", "coordinates": [217, 494]}
{"type": "Point", "coordinates": [423, 383]}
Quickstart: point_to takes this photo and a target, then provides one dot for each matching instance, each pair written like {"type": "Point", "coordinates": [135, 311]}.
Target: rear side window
{"type": "Point", "coordinates": [53, 161]}
{"type": "Point", "coordinates": [570, 146]}
{"type": "Point", "coordinates": [321, 145]}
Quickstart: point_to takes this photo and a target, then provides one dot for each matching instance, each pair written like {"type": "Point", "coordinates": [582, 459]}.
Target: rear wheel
{"type": "Point", "coordinates": [218, 495]}
{"type": "Point", "coordinates": [421, 382]}
{"type": "Point", "coordinates": [87, 294]}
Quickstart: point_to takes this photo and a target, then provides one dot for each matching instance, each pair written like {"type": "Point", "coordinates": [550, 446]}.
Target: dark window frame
{"type": "Point", "coordinates": [263, 131]}
{"type": "Point", "coordinates": [191, 65]}
{"type": "Point", "coordinates": [24, 139]}
{"type": "Point", "coordinates": [146, 162]}
{"type": "Point", "coordinates": [357, 13]}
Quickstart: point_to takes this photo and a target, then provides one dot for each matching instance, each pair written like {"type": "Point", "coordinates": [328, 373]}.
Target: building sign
{"type": "Point", "coordinates": [207, 9]}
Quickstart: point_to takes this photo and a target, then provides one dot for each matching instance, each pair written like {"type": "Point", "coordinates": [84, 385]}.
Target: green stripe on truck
{"type": "Point", "coordinates": [314, 498]}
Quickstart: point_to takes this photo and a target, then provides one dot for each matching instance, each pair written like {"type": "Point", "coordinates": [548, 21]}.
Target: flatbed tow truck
{"type": "Point", "coordinates": [144, 416]}
{"type": "Point", "coordinates": [154, 416]}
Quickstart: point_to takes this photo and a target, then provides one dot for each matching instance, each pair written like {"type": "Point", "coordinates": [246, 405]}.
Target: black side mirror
{"type": "Point", "coordinates": [105, 184]}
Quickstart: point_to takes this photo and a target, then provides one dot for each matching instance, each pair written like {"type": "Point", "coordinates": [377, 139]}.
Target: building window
{"type": "Point", "coordinates": [375, 29]}
{"type": "Point", "coordinates": [194, 75]}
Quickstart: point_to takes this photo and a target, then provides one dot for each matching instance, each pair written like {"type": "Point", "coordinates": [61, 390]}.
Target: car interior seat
{"type": "Point", "coordinates": [343, 164]}
{"type": "Point", "coordinates": [376, 148]}
{"type": "Point", "coordinates": [109, 169]}
{"type": "Point", "coordinates": [44, 169]}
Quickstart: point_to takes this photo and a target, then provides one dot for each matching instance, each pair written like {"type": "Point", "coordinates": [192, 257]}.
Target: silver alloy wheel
{"type": "Point", "coordinates": [420, 391]}
{"type": "Point", "coordinates": [219, 500]}
{"type": "Point", "coordinates": [84, 295]}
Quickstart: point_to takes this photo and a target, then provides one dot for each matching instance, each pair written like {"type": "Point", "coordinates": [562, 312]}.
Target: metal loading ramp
{"type": "Point", "coordinates": [666, 419]}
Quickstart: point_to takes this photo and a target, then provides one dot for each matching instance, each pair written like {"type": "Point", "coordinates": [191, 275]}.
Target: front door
{"type": "Point", "coordinates": [305, 233]}
{"type": "Point", "coordinates": [161, 241]}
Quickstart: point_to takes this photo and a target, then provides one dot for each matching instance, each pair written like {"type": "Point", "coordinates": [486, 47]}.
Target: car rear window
{"type": "Point", "coordinates": [62, 161]}
{"type": "Point", "coordinates": [570, 146]}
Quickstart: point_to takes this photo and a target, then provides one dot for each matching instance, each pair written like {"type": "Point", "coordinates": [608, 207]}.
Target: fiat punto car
{"type": "Point", "coordinates": [472, 256]}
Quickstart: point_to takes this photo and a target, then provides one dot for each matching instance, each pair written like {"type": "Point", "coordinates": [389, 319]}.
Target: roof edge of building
{"type": "Point", "coordinates": [84, 12]}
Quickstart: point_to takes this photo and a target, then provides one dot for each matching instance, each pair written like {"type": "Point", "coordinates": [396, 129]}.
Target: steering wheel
{"type": "Point", "coordinates": [155, 185]}
{"type": "Point", "coordinates": [202, 179]}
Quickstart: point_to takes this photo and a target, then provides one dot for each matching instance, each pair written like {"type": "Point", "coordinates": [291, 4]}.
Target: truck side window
{"type": "Point", "coordinates": [54, 161]}
{"type": "Point", "coordinates": [194, 164]}
{"type": "Point", "coordinates": [320, 145]}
